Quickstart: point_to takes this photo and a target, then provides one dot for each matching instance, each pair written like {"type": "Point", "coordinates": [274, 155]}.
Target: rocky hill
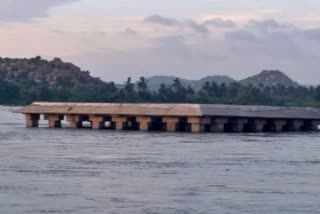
{"type": "Point", "coordinates": [50, 73]}
{"type": "Point", "coordinates": [269, 78]}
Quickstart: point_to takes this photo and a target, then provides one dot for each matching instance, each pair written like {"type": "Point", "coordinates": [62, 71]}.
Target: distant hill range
{"type": "Point", "coordinates": [57, 72]}
{"type": "Point", "coordinates": [265, 78]}
{"type": "Point", "coordinates": [155, 81]}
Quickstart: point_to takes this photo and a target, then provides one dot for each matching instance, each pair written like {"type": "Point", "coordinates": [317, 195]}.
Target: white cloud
{"type": "Point", "coordinates": [26, 10]}
{"type": "Point", "coordinates": [162, 20]}
{"type": "Point", "coordinates": [221, 23]}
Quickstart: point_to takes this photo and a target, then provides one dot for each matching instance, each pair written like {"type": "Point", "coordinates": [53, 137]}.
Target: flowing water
{"type": "Point", "coordinates": [86, 171]}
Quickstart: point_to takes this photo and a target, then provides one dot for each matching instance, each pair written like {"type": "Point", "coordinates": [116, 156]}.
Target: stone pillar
{"type": "Point", "coordinates": [171, 123]}
{"type": "Point", "coordinates": [119, 122]}
{"type": "Point", "coordinates": [144, 122]}
{"type": "Point", "coordinates": [74, 121]}
{"type": "Point", "coordinates": [296, 125]}
{"type": "Point", "coordinates": [54, 120]}
{"type": "Point", "coordinates": [258, 125]}
{"type": "Point", "coordinates": [217, 124]}
{"type": "Point", "coordinates": [96, 121]}
{"type": "Point", "coordinates": [32, 120]}
{"type": "Point", "coordinates": [278, 125]}
{"type": "Point", "coordinates": [238, 125]}
{"type": "Point", "coordinates": [198, 124]}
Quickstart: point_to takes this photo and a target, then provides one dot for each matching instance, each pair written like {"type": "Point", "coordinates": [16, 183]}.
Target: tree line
{"type": "Point", "coordinates": [25, 91]}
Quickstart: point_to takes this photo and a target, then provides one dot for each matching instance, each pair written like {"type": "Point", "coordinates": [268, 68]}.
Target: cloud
{"type": "Point", "coordinates": [162, 20]}
{"type": "Point", "coordinates": [197, 27]}
{"type": "Point", "coordinates": [26, 10]}
{"type": "Point", "coordinates": [267, 38]}
{"type": "Point", "coordinates": [272, 45]}
{"type": "Point", "coordinates": [200, 28]}
{"type": "Point", "coordinates": [269, 25]}
{"type": "Point", "coordinates": [222, 23]}
{"type": "Point", "coordinates": [130, 31]}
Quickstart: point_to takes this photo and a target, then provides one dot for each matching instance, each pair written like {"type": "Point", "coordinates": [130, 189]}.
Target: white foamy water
{"type": "Point", "coordinates": [86, 171]}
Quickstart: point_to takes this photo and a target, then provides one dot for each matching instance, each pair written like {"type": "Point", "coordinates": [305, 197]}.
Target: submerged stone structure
{"type": "Point", "coordinates": [195, 118]}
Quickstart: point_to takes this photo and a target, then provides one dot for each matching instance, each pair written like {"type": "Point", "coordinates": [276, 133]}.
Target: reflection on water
{"type": "Point", "coordinates": [87, 171]}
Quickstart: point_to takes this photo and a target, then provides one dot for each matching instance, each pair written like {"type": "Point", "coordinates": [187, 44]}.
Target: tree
{"type": "Point", "coordinates": [129, 91]}
{"type": "Point", "coordinates": [179, 91]}
{"type": "Point", "coordinates": [317, 92]}
{"type": "Point", "coordinates": [142, 84]}
{"type": "Point", "coordinates": [36, 60]}
{"type": "Point", "coordinates": [64, 82]}
{"type": "Point", "coordinates": [143, 90]}
{"type": "Point", "coordinates": [164, 94]}
{"type": "Point", "coordinates": [9, 92]}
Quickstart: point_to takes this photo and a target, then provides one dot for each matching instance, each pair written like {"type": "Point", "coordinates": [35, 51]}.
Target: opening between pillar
{"type": "Point", "coordinates": [32, 120]}
{"type": "Point", "coordinates": [310, 125]}
{"type": "Point", "coordinates": [235, 125]}
{"type": "Point", "coordinates": [79, 121]}
{"type": "Point", "coordinates": [293, 126]}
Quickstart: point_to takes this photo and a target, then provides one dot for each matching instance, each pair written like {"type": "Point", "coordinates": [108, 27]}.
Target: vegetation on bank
{"type": "Point", "coordinates": [24, 91]}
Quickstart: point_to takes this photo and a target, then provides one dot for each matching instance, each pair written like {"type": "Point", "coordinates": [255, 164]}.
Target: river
{"type": "Point", "coordinates": [86, 171]}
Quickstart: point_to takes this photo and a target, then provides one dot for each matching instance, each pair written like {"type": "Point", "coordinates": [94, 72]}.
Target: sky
{"type": "Point", "coordinates": [116, 39]}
